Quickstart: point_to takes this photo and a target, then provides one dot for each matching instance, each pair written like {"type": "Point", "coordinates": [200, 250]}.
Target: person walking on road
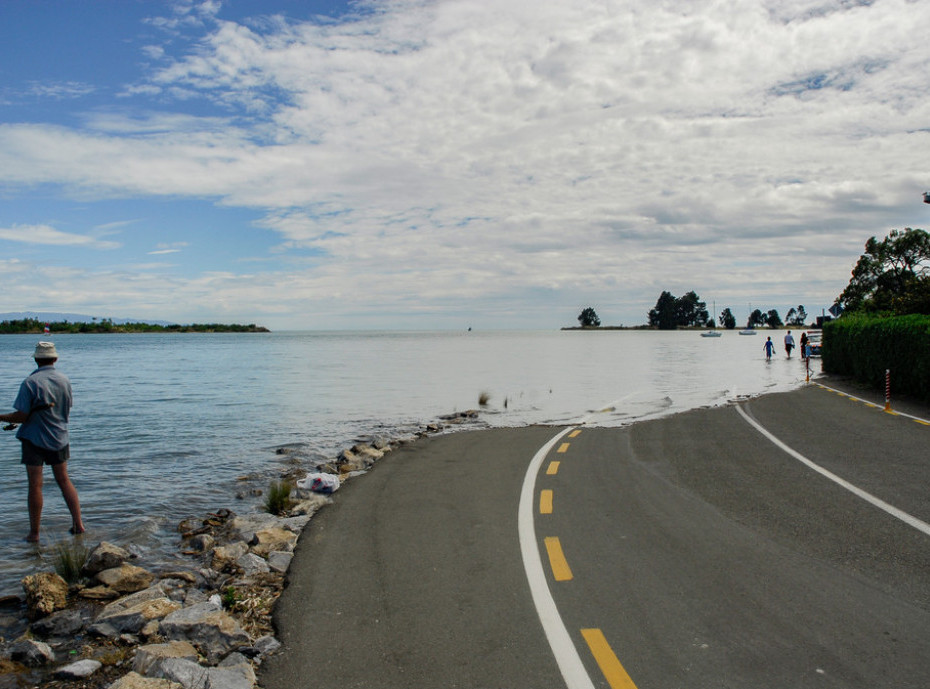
{"type": "Point", "coordinates": [789, 343]}
{"type": "Point", "coordinates": [769, 348]}
{"type": "Point", "coordinates": [43, 406]}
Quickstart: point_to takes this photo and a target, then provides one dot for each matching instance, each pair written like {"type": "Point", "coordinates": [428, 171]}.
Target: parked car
{"type": "Point", "coordinates": [814, 339]}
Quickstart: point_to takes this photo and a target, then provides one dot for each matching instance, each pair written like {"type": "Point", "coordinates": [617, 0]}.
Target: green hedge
{"type": "Point", "coordinates": [865, 346]}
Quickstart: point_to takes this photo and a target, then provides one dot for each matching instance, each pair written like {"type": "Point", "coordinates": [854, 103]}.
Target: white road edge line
{"type": "Point", "coordinates": [564, 650]}
{"type": "Point", "coordinates": [868, 497]}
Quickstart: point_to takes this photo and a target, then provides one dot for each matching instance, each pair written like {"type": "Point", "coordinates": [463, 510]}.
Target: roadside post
{"type": "Point", "coordinates": [887, 389]}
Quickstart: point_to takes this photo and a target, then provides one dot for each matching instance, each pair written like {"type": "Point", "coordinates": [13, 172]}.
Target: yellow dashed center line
{"type": "Point", "coordinates": [553, 468]}
{"type": "Point", "coordinates": [545, 502]}
{"type": "Point", "coordinates": [574, 434]}
{"type": "Point", "coordinates": [563, 448]}
{"type": "Point", "coordinates": [610, 665]}
{"type": "Point", "coordinates": [560, 569]}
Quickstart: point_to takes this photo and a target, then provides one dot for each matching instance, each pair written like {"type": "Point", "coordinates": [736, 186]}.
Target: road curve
{"type": "Point", "coordinates": [698, 552]}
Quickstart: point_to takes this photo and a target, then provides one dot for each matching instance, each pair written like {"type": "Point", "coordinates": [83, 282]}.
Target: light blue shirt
{"type": "Point", "coordinates": [47, 428]}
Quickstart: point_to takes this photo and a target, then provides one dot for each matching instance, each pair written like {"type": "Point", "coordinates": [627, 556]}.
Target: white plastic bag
{"type": "Point", "coordinates": [319, 483]}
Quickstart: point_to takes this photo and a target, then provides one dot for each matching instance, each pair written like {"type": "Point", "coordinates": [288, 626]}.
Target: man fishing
{"type": "Point", "coordinates": [43, 406]}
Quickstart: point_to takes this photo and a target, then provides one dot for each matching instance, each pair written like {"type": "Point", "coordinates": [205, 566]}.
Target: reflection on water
{"type": "Point", "coordinates": [164, 424]}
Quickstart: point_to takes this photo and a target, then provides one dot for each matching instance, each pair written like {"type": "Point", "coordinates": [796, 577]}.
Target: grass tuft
{"type": "Point", "coordinates": [69, 558]}
{"type": "Point", "coordinates": [278, 500]}
{"type": "Point", "coordinates": [484, 398]}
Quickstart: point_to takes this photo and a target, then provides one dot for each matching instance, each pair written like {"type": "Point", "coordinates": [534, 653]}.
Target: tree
{"type": "Point", "coordinates": [588, 318]}
{"type": "Point", "coordinates": [892, 276]}
{"type": "Point", "coordinates": [773, 320]}
{"type": "Point", "coordinates": [755, 318]}
{"type": "Point", "coordinates": [796, 317]}
{"type": "Point", "coordinates": [663, 315]}
{"type": "Point", "coordinates": [727, 319]}
{"type": "Point", "coordinates": [690, 310]}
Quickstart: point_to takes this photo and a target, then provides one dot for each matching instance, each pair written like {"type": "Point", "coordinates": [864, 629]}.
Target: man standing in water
{"type": "Point", "coordinates": [789, 343]}
{"type": "Point", "coordinates": [43, 406]}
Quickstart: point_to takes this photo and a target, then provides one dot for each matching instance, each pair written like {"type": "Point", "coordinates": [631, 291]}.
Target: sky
{"type": "Point", "coordinates": [418, 164]}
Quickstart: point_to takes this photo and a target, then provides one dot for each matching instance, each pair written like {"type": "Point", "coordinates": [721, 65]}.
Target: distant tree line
{"type": "Point", "coordinates": [106, 325]}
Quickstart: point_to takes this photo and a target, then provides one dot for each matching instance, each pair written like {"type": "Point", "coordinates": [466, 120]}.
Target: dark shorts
{"type": "Point", "coordinates": [35, 456]}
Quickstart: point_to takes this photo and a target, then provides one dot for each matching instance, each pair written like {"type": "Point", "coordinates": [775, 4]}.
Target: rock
{"type": "Point", "coordinates": [279, 561]}
{"type": "Point", "coordinates": [227, 554]}
{"type": "Point", "coordinates": [189, 577]}
{"type": "Point", "coordinates": [136, 681]}
{"type": "Point", "coordinates": [104, 556]}
{"type": "Point", "coordinates": [32, 653]}
{"type": "Point", "coordinates": [252, 564]}
{"type": "Point", "coordinates": [368, 452]}
{"type": "Point", "coordinates": [148, 655]}
{"type": "Point", "coordinates": [308, 507]}
{"type": "Point", "coordinates": [46, 592]}
{"type": "Point", "coordinates": [244, 527]}
{"type": "Point", "coordinates": [99, 593]}
{"type": "Point", "coordinates": [79, 670]}
{"type": "Point", "coordinates": [349, 461]}
{"type": "Point", "coordinates": [206, 626]}
{"type": "Point", "coordinates": [64, 623]}
{"type": "Point", "coordinates": [381, 443]}
{"type": "Point", "coordinates": [201, 543]}
{"type": "Point", "coordinates": [135, 617]}
{"type": "Point", "coordinates": [151, 593]}
{"type": "Point", "coordinates": [266, 645]}
{"type": "Point", "coordinates": [126, 578]}
{"type": "Point", "coordinates": [193, 676]}
{"type": "Point", "coordinates": [274, 538]}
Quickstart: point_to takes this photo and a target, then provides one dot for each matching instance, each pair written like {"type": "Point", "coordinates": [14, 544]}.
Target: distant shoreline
{"type": "Point", "coordinates": [31, 326]}
{"type": "Point", "coordinates": [695, 328]}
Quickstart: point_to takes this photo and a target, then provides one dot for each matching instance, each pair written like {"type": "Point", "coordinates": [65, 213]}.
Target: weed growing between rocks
{"type": "Point", "coordinates": [69, 559]}
{"type": "Point", "coordinates": [278, 500]}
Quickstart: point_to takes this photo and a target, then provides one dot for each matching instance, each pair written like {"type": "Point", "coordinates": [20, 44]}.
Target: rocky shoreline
{"type": "Point", "coordinates": [206, 625]}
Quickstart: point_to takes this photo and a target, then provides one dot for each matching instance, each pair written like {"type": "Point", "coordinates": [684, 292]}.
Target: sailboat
{"type": "Point", "coordinates": [748, 330]}
{"type": "Point", "coordinates": [714, 332]}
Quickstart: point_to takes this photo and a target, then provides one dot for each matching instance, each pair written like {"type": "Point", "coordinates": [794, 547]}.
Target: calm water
{"type": "Point", "coordinates": [163, 425]}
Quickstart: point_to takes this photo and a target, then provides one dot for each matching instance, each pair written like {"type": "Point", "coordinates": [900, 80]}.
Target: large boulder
{"type": "Point", "coordinates": [104, 556]}
{"type": "Point", "coordinates": [46, 592]}
{"type": "Point", "coordinates": [206, 626]}
{"type": "Point", "coordinates": [126, 578]}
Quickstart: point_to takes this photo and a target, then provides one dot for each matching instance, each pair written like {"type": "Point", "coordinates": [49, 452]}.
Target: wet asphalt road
{"type": "Point", "coordinates": [700, 552]}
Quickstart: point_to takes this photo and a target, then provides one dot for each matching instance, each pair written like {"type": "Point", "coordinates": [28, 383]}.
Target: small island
{"type": "Point", "coordinates": [27, 326]}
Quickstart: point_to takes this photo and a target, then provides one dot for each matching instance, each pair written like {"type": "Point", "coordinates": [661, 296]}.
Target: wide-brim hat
{"type": "Point", "coordinates": [45, 350]}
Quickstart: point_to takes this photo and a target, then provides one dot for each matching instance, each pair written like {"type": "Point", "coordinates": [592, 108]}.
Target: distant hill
{"type": "Point", "coordinates": [49, 317]}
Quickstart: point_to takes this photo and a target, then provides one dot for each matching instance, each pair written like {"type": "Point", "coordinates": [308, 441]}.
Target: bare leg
{"type": "Point", "coordinates": [70, 494]}
{"type": "Point", "coordinates": [35, 502]}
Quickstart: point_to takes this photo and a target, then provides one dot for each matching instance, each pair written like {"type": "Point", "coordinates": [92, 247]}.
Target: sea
{"type": "Point", "coordinates": [169, 426]}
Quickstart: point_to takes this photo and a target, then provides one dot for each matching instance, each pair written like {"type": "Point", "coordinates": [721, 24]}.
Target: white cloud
{"type": "Point", "coordinates": [44, 234]}
{"type": "Point", "coordinates": [468, 150]}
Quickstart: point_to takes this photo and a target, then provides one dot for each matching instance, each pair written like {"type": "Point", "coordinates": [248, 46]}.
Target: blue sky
{"type": "Point", "coordinates": [418, 164]}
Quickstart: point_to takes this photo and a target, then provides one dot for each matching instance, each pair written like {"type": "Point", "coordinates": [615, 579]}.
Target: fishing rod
{"type": "Point", "coordinates": [40, 407]}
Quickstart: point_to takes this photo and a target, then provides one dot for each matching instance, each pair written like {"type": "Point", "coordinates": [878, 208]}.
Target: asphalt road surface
{"type": "Point", "coordinates": [692, 551]}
